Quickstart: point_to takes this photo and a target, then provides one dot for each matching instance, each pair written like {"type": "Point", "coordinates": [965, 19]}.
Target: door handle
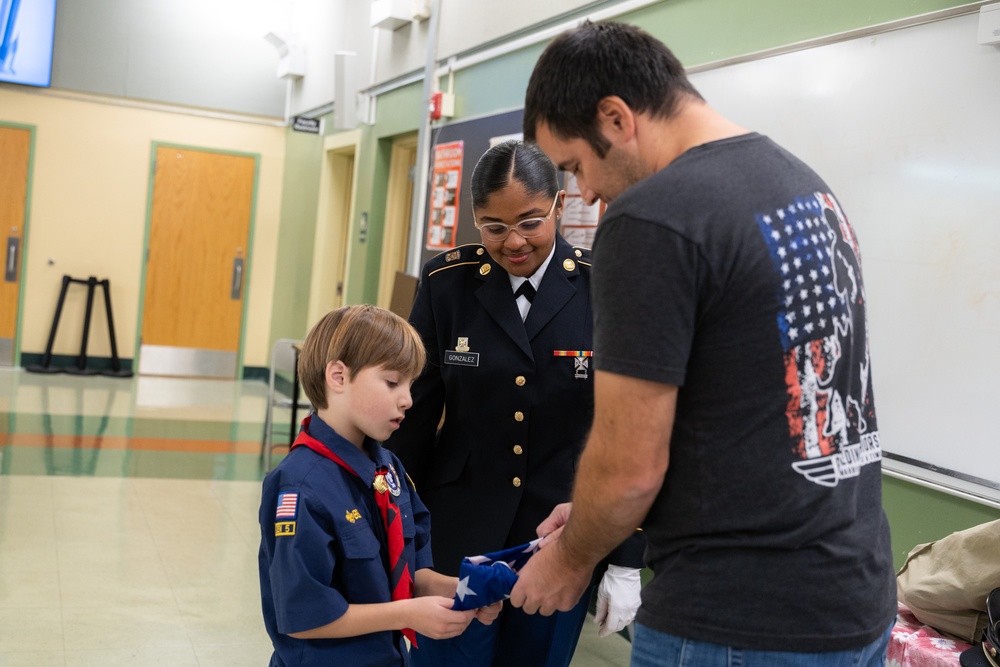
{"type": "Point", "coordinates": [10, 265]}
{"type": "Point", "coordinates": [236, 290]}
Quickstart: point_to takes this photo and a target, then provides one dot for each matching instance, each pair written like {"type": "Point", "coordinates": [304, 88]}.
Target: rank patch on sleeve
{"type": "Point", "coordinates": [284, 515]}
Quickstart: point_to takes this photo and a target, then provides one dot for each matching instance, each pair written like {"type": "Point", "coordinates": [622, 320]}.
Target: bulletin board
{"type": "Point", "coordinates": [446, 179]}
{"type": "Point", "coordinates": [904, 126]}
{"type": "Point", "coordinates": [475, 135]}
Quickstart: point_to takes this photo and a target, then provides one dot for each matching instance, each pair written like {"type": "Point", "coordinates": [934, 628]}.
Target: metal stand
{"type": "Point", "coordinates": [81, 361]}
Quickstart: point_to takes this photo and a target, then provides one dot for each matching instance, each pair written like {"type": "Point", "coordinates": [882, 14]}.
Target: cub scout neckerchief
{"type": "Point", "coordinates": [385, 485]}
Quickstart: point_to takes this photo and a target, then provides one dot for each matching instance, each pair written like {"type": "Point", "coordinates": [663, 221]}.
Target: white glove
{"type": "Point", "coordinates": [617, 599]}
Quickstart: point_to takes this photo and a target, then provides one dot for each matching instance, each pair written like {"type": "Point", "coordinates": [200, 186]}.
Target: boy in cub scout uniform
{"type": "Point", "coordinates": [344, 559]}
{"type": "Point", "coordinates": [512, 374]}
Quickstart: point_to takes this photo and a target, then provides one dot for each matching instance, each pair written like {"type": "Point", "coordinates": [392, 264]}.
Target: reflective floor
{"type": "Point", "coordinates": [128, 524]}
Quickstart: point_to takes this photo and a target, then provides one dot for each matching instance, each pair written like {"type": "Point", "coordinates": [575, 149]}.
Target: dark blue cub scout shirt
{"type": "Point", "coordinates": [322, 549]}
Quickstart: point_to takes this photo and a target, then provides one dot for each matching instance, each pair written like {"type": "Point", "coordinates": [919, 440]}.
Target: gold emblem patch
{"type": "Point", "coordinates": [352, 515]}
{"type": "Point", "coordinates": [284, 528]}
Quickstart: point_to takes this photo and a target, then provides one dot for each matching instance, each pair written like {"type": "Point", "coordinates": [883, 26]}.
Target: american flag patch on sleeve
{"type": "Point", "coordinates": [287, 504]}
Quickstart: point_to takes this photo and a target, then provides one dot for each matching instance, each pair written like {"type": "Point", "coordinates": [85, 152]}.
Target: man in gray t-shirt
{"type": "Point", "coordinates": [734, 413]}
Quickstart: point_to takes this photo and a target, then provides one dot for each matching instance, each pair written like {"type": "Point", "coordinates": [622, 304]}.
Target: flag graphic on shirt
{"type": "Point", "coordinates": [821, 321]}
{"type": "Point", "coordinates": [287, 503]}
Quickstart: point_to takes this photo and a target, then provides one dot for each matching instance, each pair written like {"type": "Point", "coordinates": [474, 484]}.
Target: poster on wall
{"type": "Point", "coordinates": [445, 180]}
{"type": "Point", "coordinates": [579, 221]}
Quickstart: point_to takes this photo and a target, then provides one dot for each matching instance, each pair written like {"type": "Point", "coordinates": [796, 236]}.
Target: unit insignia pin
{"type": "Point", "coordinates": [462, 345]}
{"type": "Point", "coordinates": [392, 481]}
{"type": "Point", "coordinates": [569, 264]}
{"type": "Point", "coordinates": [485, 269]}
{"type": "Point", "coordinates": [453, 255]}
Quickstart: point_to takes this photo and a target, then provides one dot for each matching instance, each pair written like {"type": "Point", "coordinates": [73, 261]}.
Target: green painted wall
{"type": "Point", "coordinates": [299, 204]}
{"type": "Point", "coordinates": [918, 515]}
{"type": "Point", "coordinates": [398, 112]}
{"type": "Point", "coordinates": [699, 32]}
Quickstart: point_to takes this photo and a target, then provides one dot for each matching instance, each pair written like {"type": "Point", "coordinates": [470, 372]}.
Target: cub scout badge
{"type": "Point", "coordinates": [392, 479]}
{"type": "Point", "coordinates": [483, 580]}
{"type": "Point", "coordinates": [461, 355]}
{"type": "Point", "coordinates": [284, 515]}
{"type": "Point", "coordinates": [581, 364]}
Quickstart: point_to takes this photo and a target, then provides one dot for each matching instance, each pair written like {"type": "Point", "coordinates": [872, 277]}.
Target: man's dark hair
{"type": "Point", "coordinates": [583, 66]}
{"type": "Point", "coordinates": [511, 161]}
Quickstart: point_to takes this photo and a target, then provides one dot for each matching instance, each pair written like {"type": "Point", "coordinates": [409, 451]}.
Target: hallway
{"type": "Point", "coordinates": [128, 524]}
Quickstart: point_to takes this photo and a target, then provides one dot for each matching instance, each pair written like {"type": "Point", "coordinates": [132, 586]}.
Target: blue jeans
{"type": "Point", "coordinates": [657, 649]}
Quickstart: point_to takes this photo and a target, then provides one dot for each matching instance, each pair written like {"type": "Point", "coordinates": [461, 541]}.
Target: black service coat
{"type": "Point", "coordinates": [517, 399]}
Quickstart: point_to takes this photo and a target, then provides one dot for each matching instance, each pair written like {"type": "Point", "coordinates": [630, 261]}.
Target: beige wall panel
{"type": "Point", "coordinates": [89, 197]}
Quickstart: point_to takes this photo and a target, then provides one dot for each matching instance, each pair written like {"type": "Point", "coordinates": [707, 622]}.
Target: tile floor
{"type": "Point", "coordinates": [128, 524]}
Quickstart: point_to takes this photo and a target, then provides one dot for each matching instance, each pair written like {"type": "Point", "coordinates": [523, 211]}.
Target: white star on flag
{"type": "Point", "coordinates": [463, 589]}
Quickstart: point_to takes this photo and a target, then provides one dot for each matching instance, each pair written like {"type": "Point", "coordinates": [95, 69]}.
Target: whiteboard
{"type": "Point", "coordinates": [904, 127]}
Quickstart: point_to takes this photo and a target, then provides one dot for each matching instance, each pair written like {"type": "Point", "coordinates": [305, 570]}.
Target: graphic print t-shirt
{"type": "Point", "coordinates": [735, 274]}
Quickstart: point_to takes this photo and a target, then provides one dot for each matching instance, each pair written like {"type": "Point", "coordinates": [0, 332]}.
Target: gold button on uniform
{"type": "Point", "coordinates": [519, 380]}
{"type": "Point", "coordinates": [519, 416]}
{"type": "Point", "coordinates": [517, 481]}
{"type": "Point", "coordinates": [518, 450]}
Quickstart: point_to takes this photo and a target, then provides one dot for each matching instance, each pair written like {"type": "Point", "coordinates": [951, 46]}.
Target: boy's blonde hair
{"type": "Point", "coordinates": [359, 336]}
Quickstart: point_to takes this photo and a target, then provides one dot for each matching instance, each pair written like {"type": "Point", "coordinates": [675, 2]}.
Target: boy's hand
{"type": "Point", "coordinates": [486, 615]}
{"type": "Point", "coordinates": [432, 616]}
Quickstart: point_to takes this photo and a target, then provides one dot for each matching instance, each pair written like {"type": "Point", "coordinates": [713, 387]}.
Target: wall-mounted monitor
{"type": "Point", "coordinates": [26, 32]}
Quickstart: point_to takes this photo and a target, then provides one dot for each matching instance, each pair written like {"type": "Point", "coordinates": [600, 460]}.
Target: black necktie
{"type": "Point", "coordinates": [525, 290]}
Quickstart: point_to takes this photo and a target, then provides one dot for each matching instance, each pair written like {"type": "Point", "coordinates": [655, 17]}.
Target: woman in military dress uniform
{"type": "Point", "coordinates": [508, 330]}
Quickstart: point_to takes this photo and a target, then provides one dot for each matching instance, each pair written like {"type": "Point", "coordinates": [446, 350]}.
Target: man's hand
{"type": "Point", "coordinates": [549, 582]}
{"type": "Point", "coordinates": [617, 599]}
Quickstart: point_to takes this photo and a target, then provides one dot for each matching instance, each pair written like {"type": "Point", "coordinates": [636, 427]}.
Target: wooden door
{"type": "Point", "coordinates": [15, 153]}
{"type": "Point", "coordinates": [197, 263]}
{"type": "Point", "coordinates": [399, 200]}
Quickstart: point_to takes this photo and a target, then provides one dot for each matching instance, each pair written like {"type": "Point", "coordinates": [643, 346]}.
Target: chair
{"type": "Point", "coordinates": [284, 359]}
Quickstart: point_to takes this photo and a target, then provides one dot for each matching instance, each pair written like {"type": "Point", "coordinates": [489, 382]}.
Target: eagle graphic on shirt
{"type": "Point", "coordinates": [832, 428]}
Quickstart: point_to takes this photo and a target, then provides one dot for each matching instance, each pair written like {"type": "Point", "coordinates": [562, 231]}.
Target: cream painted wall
{"type": "Point", "coordinates": [88, 215]}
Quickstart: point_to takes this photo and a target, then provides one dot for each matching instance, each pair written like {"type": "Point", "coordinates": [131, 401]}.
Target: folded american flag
{"type": "Point", "coordinates": [483, 580]}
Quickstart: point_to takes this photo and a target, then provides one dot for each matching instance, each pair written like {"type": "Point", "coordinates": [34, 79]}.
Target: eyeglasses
{"type": "Point", "coordinates": [528, 228]}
